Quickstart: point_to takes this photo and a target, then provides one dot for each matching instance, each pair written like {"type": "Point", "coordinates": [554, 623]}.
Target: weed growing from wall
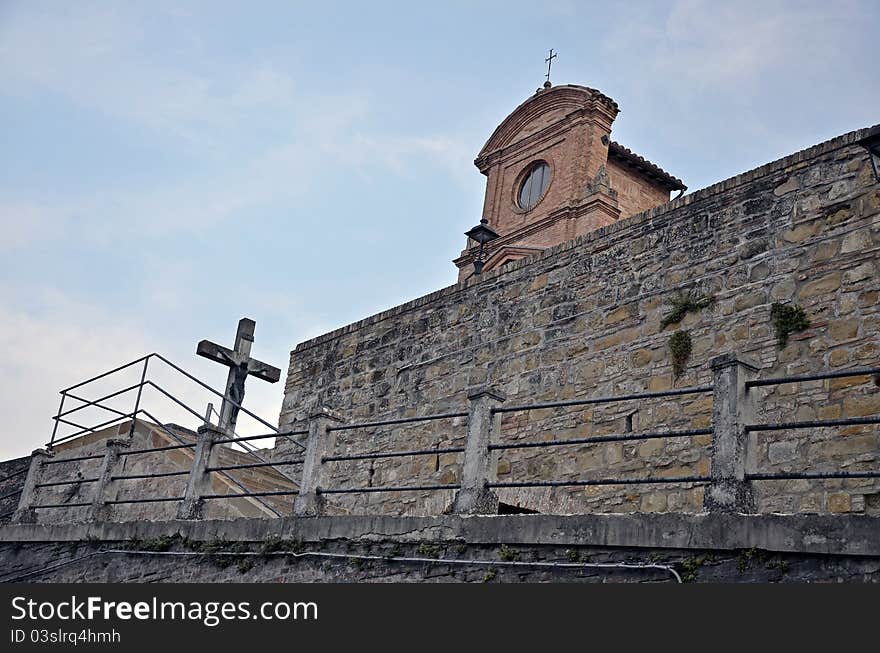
{"type": "Point", "coordinates": [682, 304]}
{"type": "Point", "coordinates": [788, 319]}
{"type": "Point", "coordinates": [506, 553]}
{"type": "Point", "coordinates": [429, 550]}
{"type": "Point", "coordinates": [680, 348]}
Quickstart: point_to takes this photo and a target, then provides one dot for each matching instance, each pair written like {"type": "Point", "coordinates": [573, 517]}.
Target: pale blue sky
{"type": "Point", "coordinates": [170, 167]}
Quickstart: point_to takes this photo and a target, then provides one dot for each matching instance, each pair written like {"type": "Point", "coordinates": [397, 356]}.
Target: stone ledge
{"type": "Point", "coordinates": [816, 534]}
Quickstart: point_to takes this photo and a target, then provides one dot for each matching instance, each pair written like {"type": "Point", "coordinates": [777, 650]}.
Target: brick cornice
{"type": "Point", "coordinates": [593, 203]}
{"type": "Point", "coordinates": [580, 99]}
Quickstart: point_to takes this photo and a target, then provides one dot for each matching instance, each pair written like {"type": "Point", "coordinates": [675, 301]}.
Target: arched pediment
{"type": "Point", "coordinates": [508, 254]}
{"type": "Point", "coordinates": [545, 107]}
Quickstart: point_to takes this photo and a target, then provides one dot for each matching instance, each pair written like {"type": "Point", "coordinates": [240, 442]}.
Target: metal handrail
{"type": "Point", "coordinates": [144, 381]}
{"type": "Point", "coordinates": [216, 392]}
{"type": "Point", "coordinates": [58, 461]}
{"type": "Point", "coordinates": [622, 437]}
{"type": "Point", "coordinates": [79, 504]}
{"type": "Point", "coordinates": [791, 476]}
{"type": "Point", "coordinates": [401, 420]}
{"type": "Point", "coordinates": [875, 371]}
{"type": "Point", "coordinates": [230, 478]}
{"type": "Point", "coordinates": [14, 474]}
{"type": "Point", "coordinates": [159, 425]}
{"type": "Point", "coordinates": [387, 488]}
{"type": "Point", "coordinates": [148, 500]}
{"type": "Point", "coordinates": [604, 400]}
{"type": "Point", "coordinates": [96, 402]}
{"type": "Point", "coordinates": [108, 373]}
{"type": "Point", "coordinates": [247, 438]}
{"type": "Point", "coordinates": [96, 426]}
{"type": "Point", "coordinates": [12, 494]}
{"type": "Point", "coordinates": [847, 421]}
{"type": "Point", "coordinates": [130, 477]}
{"type": "Point", "coordinates": [294, 461]}
{"type": "Point", "coordinates": [174, 399]}
{"type": "Point", "coordinates": [244, 495]}
{"type": "Point", "coordinates": [73, 482]}
{"type": "Point", "coordinates": [227, 476]}
{"type": "Point", "coordinates": [179, 369]}
{"type": "Point", "coordinates": [371, 455]}
{"type": "Point", "coordinates": [651, 480]}
{"type": "Point", "coordinates": [74, 424]}
{"type": "Point", "coordinates": [170, 447]}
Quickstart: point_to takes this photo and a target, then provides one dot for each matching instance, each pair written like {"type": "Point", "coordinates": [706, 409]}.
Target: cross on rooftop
{"type": "Point", "coordinates": [549, 61]}
{"type": "Point", "coordinates": [240, 366]}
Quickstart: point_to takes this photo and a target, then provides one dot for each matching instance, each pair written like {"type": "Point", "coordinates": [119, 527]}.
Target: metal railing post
{"type": "Point", "coordinates": [309, 502]}
{"type": "Point", "coordinates": [733, 410]}
{"type": "Point", "coordinates": [199, 480]}
{"type": "Point", "coordinates": [475, 497]}
{"type": "Point", "coordinates": [24, 513]}
{"type": "Point", "coordinates": [137, 401]}
{"type": "Point", "coordinates": [57, 417]}
{"type": "Point", "coordinates": [109, 467]}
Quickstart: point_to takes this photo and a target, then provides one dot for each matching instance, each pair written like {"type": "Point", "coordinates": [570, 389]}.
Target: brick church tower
{"type": "Point", "coordinates": [553, 173]}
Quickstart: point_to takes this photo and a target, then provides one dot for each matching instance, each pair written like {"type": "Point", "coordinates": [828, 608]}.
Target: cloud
{"type": "Point", "coordinates": [92, 55]}
{"type": "Point", "coordinates": [282, 173]}
{"type": "Point", "coordinates": [404, 156]}
{"type": "Point", "coordinates": [25, 222]}
{"type": "Point", "coordinates": [52, 342]}
{"type": "Point", "coordinates": [702, 43]}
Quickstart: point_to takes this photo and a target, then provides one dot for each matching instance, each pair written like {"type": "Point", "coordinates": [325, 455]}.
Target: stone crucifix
{"type": "Point", "coordinates": [240, 365]}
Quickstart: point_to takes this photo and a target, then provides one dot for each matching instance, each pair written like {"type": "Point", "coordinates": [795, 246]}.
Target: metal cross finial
{"type": "Point", "coordinates": [549, 61]}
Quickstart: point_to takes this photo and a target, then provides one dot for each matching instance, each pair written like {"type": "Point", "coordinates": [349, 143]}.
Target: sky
{"type": "Point", "coordinates": [167, 168]}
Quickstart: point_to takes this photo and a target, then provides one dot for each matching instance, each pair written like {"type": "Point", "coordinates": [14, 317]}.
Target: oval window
{"type": "Point", "coordinates": [534, 185]}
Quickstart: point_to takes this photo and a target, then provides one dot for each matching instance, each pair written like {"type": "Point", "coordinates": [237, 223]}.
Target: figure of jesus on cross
{"type": "Point", "coordinates": [240, 365]}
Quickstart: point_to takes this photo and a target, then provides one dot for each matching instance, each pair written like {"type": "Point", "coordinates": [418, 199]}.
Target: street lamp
{"type": "Point", "coordinates": [872, 144]}
{"type": "Point", "coordinates": [483, 234]}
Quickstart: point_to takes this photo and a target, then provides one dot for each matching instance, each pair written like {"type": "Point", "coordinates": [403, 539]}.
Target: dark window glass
{"type": "Point", "coordinates": [534, 185]}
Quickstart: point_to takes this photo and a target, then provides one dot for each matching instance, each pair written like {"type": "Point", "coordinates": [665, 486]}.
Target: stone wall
{"type": "Point", "coordinates": [88, 564]}
{"type": "Point", "coordinates": [584, 319]}
{"type": "Point", "coordinates": [12, 475]}
{"type": "Point", "coordinates": [520, 548]}
{"type": "Point", "coordinates": [172, 461]}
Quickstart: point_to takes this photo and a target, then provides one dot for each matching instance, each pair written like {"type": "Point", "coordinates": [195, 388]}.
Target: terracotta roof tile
{"type": "Point", "coordinates": [627, 156]}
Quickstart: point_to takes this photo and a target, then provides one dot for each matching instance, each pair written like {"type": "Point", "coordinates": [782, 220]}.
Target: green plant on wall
{"type": "Point", "coordinates": [682, 304]}
{"type": "Point", "coordinates": [680, 348]}
{"type": "Point", "coordinates": [788, 319]}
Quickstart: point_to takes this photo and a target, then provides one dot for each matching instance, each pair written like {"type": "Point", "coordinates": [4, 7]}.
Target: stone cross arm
{"type": "Point", "coordinates": [241, 366]}
{"type": "Point", "coordinates": [225, 356]}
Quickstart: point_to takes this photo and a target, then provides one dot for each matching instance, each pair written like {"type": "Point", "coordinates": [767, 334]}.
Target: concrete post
{"type": "Point", "coordinates": [198, 482]}
{"type": "Point", "coordinates": [477, 470]}
{"type": "Point", "coordinates": [309, 502]}
{"type": "Point", "coordinates": [733, 409]}
{"type": "Point", "coordinates": [109, 467]}
{"type": "Point", "coordinates": [24, 514]}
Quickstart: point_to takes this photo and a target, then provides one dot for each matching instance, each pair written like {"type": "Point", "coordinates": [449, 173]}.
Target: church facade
{"type": "Point", "coordinates": [553, 173]}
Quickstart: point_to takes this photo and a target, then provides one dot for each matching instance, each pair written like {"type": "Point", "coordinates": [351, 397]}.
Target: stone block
{"type": "Point", "coordinates": [856, 241]}
{"type": "Point", "coordinates": [839, 502]}
{"type": "Point", "coordinates": [823, 285]}
{"type": "Point", "coordinates": [842, 330]}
